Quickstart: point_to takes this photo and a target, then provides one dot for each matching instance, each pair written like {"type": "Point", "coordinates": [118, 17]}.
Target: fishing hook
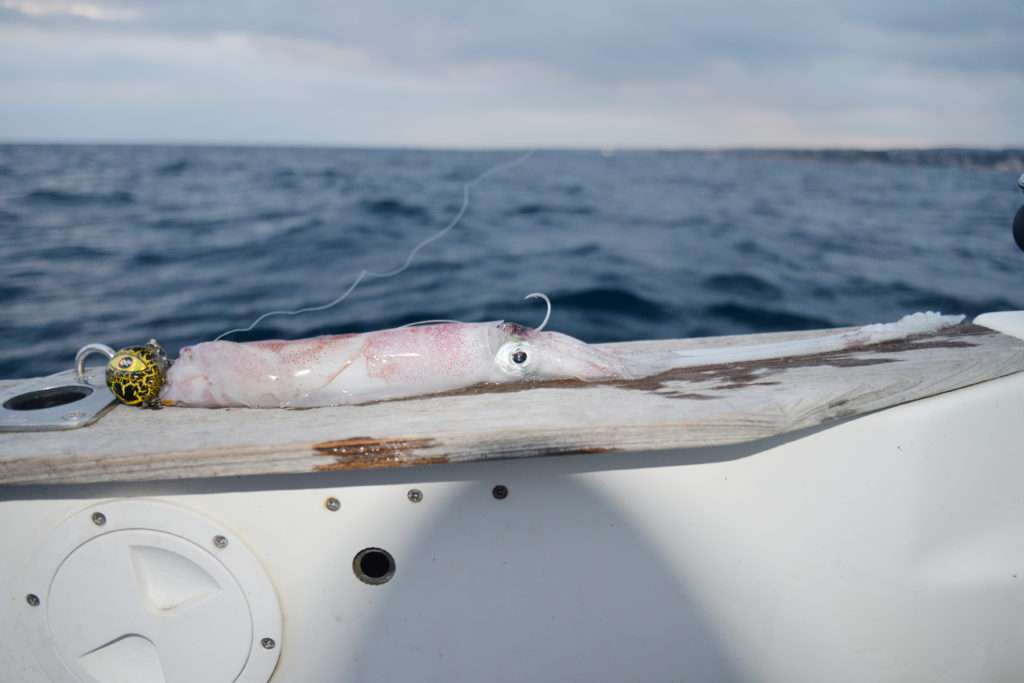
{"type": "Point", "coordinates": [547, 316]}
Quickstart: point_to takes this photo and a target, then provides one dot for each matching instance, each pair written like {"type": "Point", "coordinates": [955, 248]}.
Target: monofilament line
{"type": "Point", "coordinates": [364, 274]}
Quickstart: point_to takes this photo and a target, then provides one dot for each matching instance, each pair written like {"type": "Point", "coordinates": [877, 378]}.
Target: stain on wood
{"type": "Point", "coordinates": [692, 396]}
{"type": "Point", "coordinates": [366, 452]}
{"type": "Point", "coordinates": [543, 451]}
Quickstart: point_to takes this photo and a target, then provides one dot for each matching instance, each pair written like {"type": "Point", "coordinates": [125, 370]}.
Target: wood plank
{"type": "Point", "coordinates": [688, 407]}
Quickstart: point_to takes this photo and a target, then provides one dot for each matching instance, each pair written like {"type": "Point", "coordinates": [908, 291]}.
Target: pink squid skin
{"type": "Point", "coordinates": [428, 359]}
{"type": "Point", "coordinates": [374, 366]}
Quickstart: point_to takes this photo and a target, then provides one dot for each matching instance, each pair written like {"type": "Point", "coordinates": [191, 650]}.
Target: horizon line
{"type": "Point", "coordinates": [513, 148]}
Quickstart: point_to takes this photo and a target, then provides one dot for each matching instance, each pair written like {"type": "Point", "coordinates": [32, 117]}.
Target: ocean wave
{"type": "Point", "coordinates": [151, 257]}
{"type": "Point", "coordinates": [742, 285]}
{"type": "Point", "coordinates": [70, 252]}
{"type": "Point", "coordinates": [611, 301]}
{"type": "Point", "coordinates": [173, 168]}
{"type": "Point", "coordinates": [534, 209]}
{"type": "Point", "coordinates": [390, 207]}
{"type": "Point", "coordinates": [766, 319]}
{"type": "Point", "coordinates": [64, 198]}
{"type": "Point", "coordinates": [991, 159]}
{"type": "Point", "coordinates": [9, 290]}
{"type": "Point", "coordinates": [274, 215]}
{"type": "Point", "coordinates": [174, 224]}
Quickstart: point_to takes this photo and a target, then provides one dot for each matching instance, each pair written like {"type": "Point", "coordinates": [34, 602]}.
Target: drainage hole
{"type": "Point", "coordinates": [47, 398]}
{"type": "Point", "coordinates": [373, 566]}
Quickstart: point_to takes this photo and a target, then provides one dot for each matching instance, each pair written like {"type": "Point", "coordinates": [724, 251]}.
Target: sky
{"type": "Point", "coordinates": [530, 73]}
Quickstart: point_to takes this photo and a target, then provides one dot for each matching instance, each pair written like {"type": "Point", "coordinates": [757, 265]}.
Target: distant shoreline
{"type": "Point", "coordinates": [1003, 159]}
{"type": "Point", "coordinates": [613, 149]}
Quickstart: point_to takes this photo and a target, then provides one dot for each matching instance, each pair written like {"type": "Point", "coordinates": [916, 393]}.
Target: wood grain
{"type": "Point", "coordinates": [693, 407]}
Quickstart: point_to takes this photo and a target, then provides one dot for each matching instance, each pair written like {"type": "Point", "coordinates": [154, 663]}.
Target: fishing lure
{"type": "Point", "coordinates": [135, 374]}
{"type": "Point", "coordinates": [428, 359]}
{"type": "Point", "coordinates": [419, 360]}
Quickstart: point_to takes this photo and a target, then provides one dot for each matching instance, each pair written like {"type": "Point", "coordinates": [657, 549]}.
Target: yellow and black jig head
{"type": "Point", "coordinates": [134, 374]}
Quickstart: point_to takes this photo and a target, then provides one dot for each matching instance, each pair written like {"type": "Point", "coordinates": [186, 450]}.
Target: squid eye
{"type": "Point", "coordinates": [515, 358]}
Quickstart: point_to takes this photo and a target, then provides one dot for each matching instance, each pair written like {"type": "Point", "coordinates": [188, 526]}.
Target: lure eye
{"type": "Point", "coordinates": [126, 362]}
{"type": "Point", "coordinates": [519, 357]}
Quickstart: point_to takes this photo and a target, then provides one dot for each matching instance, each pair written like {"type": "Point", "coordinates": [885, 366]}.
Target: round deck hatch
{"type": "Point", "coordinates": [146, 592]}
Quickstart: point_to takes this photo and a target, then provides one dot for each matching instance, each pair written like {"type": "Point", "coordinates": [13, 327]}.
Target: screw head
{"type": "Point", "coordinates": [220, 541]}
{"type": "Point", "coordinates": [332, 504]}
{"type": "Point", "coordinates": [415, 495]}
{"type": "Point", "coordinates": [99, 519]}
{"type": "Point", "coordinates": [500, 492]}
{"type": "Point", "coordinates": [268, 643]}
{"type": "Point", "coordinates": [32, 599]}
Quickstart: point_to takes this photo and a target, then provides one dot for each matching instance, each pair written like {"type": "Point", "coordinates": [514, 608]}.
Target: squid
{"type": "Point", "coordinates": [445, 356]}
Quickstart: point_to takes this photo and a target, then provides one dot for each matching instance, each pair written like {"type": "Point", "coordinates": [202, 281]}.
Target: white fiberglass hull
{"type": "Point", "coordinates": [883, 548]}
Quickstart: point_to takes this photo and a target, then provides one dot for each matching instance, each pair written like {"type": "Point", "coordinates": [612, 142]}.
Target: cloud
{"type": "Point", "coordinates": [495, 73]}
{"type": "Point", "coordinates": [61, 8]}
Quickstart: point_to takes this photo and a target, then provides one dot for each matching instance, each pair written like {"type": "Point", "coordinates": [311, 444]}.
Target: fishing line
{"type": "Point", "coordinates": [535, 295]}
{"type": "Point", "coordinates": [364, 273]}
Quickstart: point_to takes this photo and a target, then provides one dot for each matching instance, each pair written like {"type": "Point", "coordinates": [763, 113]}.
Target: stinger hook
{"type": "Point", "coordinates": [547, 316]}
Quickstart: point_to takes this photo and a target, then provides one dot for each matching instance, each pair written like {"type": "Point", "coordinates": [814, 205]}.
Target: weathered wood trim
{"type": "Point", "coordinates": [709, 405]}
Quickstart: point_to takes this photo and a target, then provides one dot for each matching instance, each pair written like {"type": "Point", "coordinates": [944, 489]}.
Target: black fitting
{"type": "Point", "coordinates": [1018, 221]}
{"type": "Point", "coordinates": [1018, 228]}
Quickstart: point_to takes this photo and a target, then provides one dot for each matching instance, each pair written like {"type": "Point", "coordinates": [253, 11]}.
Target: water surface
{"type": "Point", "coordinates": [117, 244]}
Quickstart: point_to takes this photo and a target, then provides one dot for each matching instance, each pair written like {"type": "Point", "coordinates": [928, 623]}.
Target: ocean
{"type": "Point", "coordinates": [118, 244]}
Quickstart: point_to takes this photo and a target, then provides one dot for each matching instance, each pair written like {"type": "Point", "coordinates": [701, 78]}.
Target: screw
{"type": "Point", "coordinates": [332, 504]}
{"type": "Point", "coordinates": [32, 599]}
{"type": "Point", "coordinates": [268, 643]}
{"type": "Point", "coordinates": [415, 495]}
{"type": "Point", "coordinates": [500, 492]}
{"type": "Point", "coordinates": [99, 519]}
{"type": "Point", "coordinates": [220, 541]}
